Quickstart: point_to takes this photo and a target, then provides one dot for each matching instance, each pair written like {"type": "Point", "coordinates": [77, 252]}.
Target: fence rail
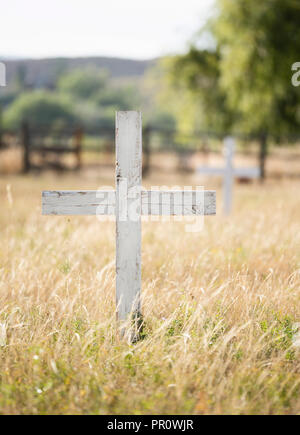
{"type": "Point", "coordinates": [45, 142]}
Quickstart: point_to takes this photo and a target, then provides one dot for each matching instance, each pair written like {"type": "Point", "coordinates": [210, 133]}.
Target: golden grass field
{"type": "Point", "coordinates": [221, 307]}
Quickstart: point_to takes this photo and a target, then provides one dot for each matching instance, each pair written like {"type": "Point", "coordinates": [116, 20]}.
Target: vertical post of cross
{"type": "Point", "coordinates": [228, 176]}
{"type": "Point", "coordinates": [128, 213]}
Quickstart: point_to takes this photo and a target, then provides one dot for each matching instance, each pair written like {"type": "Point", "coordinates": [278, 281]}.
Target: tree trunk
{"type": "Point", "coordinates": [146, 151]}
{"type": "Point", "coordinates": [78, 136]}
{"type": "Point", "coordinates": [263, 156]}
{"type": "Point", "coordinates": [26, 146]}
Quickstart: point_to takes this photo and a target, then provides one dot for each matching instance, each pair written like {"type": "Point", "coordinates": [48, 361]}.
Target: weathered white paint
{"type": "Point", "coordinates": [247, 172]}
{"type": "Point", "coordinates": [128, 197]}
{"type": "Point", "coordinates": [73, 202]}
{"type": "Point", "coordinates": [153, 202]}
{"type": "Point", "coordinates": [128, 232]}
{"type": "Point", "coordinates": [229, 172]}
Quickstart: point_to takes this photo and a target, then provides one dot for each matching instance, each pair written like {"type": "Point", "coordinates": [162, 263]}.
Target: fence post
{"type": "Point", "coordinates": [146, 151]}
{"type": "Point", "coordinates": [262, 156]}
{"type": "Point", "coordinates": [26, 146]}
{"type": "Point", "coordinates": [78, 135]}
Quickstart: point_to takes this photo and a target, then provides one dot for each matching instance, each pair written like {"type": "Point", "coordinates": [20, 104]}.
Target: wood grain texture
{"type": "Point", "coordinates": [128, 232]}
{"type": "Point", "coordinates": [154, 202]}
{"type": "Point", "coordinates": [127, 203]}
{"type": "Point", "coordinates": [81, 203]}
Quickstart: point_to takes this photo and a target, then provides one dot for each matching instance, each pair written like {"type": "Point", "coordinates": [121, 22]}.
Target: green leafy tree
{"type": "Point", "coordinates": [83, 83]}
{"type": "Point", "coordinates": [259, 42]}
{"type": "Point", "coordinates": [95, 98]}
{"type": "Point", "coordinates": [93, 117]}
{"type": "Point", "coordinates": [244, 82]}
{"type": "Point", "coordinates": [39, 108]}
{"type": "Point", "coordinates": [197, 74]}
{"type": "Point", "coordinates": [20, 79]}
{"type": "Point", "coordinates": [118, 98]}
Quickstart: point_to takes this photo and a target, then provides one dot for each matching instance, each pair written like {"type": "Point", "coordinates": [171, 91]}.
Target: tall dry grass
{"type": "Point", "coordinates": [220, 307]}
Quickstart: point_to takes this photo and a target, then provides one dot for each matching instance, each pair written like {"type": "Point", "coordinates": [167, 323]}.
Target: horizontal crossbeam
{"type": "Point", "coordinates": [237, 172]}
{"type": "Point", "coordinates": [154, 202]}
{"type": "Point", "coordinates": [247, 172]}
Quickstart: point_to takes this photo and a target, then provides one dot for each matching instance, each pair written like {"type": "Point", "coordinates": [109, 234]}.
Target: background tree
{"type": "Point", "coordinates": [41, 108]}
{"type": "Point", "coordinates": [198, 74]}
{"type": "Point", "coordinates": [244, 82]}
{"type": "Point", "coordinates": [86, 96]}
{"type": "Point", "coordinates": [83, 83]}
{"type": "Point", "coordinates": [259, 41]}
{"type": "Point", "coordinates": [118, 97]}
{"type": "Point", "coordinates": [20, 79]}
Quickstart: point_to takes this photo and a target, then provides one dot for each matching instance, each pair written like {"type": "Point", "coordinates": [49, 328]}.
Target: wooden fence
{"type": "Point", "coordinates": [33, 143]}
{"type": "Point", "coordinates": [45, 143]}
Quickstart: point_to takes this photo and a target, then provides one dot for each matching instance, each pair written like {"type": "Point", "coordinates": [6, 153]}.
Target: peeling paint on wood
{"type": "Point", "coordinates": [128, 196]}
{"type": "Point", "coordinates": [128, 233]}
{"type": "Point", "coordinates": [153, 202]}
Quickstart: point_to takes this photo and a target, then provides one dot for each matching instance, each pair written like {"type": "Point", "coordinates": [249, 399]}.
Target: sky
{"type": "Point", "coordinates": [137, 29]}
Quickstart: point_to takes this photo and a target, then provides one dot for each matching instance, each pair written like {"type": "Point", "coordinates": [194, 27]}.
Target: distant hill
{"type": "Point", "coordinates": [43, 73]}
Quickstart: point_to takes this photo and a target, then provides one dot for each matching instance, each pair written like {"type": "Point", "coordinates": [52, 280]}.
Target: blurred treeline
{"type": "Point", "coordinates": [234, 79]}
{"type": "Point", "coordinates": [85, 96]}
{"type": "Point", "coordinates": [240, 83]}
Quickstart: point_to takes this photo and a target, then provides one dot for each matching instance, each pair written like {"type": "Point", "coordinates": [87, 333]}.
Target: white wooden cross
{"type": "Point", "coordinates": [128, 202]}
{"type": "Point", "coordinates": [229, 172]}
